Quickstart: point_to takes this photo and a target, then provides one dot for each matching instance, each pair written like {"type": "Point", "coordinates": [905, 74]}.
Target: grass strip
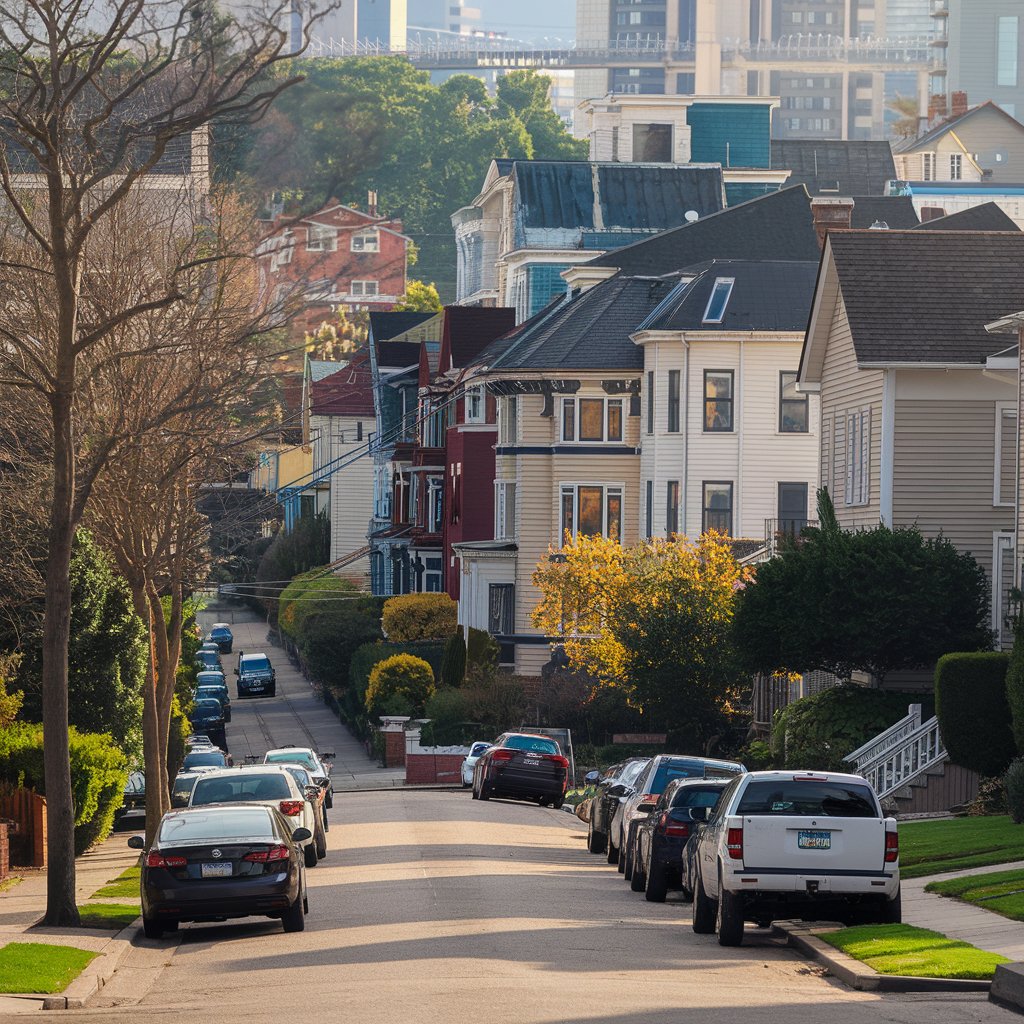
{"type": "Point", "coordinates": [112, 916]}
{"type": "Point", "coordinates": [953, 844]}
{"type": "Point", "coordinates": [917, 952]}
{"type": "Point", "coordinates": [40, 968]}
{"type": "Point", "coordinates": [999, 891]}
{"type": "Point", "coordinates": [125, 885]}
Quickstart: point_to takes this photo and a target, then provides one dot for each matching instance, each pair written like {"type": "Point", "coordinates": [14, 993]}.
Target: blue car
{"type": "Point", "coordinates": [220, 634]}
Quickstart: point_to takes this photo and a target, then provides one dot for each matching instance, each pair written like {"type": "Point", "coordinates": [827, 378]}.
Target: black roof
{"type": "Point", "coordinates": [777, 226]}
{"type": "Point", "coordinates": [765, 296]}
{"type": "Point", "coordinates": [986, 217]}
{"type": "Point", "coordinates": [590, 331]}
{"type": "Point", "coordinates": [842, 168]}
{"type": "Point", "coordinates": [896, 212]}
{"type": "Point", "coordinates": [925, 296]}
{"type": "Point", "coordinates": [385, 325]}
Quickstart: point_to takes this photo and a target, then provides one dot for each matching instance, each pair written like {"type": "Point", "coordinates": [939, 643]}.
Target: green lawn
{"type": "Point", "coordinates": [108, 915]}
{"type": "Point", "coordinates": [126, 884]}
{"type": "Point", "coordinates": [36, 967]}
{"type": "Point", "coordinates": [918, 952]}
{"type": "Point", "coordinates": [951, 844]}
{"type": "Point", "coordinates": [999, 891]}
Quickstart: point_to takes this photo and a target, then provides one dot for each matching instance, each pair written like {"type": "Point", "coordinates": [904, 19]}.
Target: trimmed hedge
{"type": "Point", "coordinates": [453, 667]}
{"type": "Point", "coordinates": [369, 655]}
{"type": "Point", "coordinates": [401, 684]}
{"type": "Point", "coordinates": [973, 713]}
{"type": "Point", "coordinates": [99, 771]}
{"type": "Point", "coordinates": [1015, 684]}
{"type": "Point", "coordinates": [413, 617]}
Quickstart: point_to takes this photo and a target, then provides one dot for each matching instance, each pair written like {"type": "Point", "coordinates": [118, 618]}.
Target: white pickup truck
{"type": "Point", "coordinates": [808, 845]}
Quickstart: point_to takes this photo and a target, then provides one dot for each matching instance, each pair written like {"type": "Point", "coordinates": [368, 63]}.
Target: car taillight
{"type": "Point", "coordinates": [892, 847]}
{"type": "Point", "coordinates": [158, 860]}
{"type": "Point", "coordinates": [266, 856]}
{"type": "Point", "coordinates": [562, 762]}
{"type": "Point", "coordinates": [291, 808]}
{"type": "Point", "coordinates": [503, 755]}
{"type": "Point", "coordinates": [670, 827]}
{"type": "Point", "coordinates": [734, 843]}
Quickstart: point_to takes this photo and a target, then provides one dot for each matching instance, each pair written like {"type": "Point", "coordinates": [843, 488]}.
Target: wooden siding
{"type": "Point", "coordinates": [955, 787]}
{"type": "Point", "coordinates": [351, 491]}
{"type": "Point", "coordinates": [1006, 486]}
{"type": "Point", "coordinates": [846, 388]}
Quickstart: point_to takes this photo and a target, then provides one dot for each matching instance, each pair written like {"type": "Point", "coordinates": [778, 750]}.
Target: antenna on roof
{"type": "Point", "coordinates": [690, 216]}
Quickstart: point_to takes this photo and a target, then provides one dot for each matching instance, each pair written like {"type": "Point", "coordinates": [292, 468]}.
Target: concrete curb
{"type": "Point", "coordinates": [1008, 987]}
{"type": "Point", "coordinates": [800, 935]}
{"type": "Point", "coordinates": [100, 970]}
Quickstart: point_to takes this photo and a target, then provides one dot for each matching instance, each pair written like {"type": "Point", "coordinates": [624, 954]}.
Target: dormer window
{"type": "Point", "coordinates": [366, 241]}
{"type": "Point", "coordinates": [715, 313]}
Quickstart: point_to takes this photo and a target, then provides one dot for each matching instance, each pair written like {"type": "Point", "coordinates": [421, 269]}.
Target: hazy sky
{"type": "Point", "coordinates": [529, 19]}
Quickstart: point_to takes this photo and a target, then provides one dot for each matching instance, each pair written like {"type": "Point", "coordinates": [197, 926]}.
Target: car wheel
{"type": "Point", "coordinates": [543, 801]}
{"type": "Point", "coordinates": [704, 910]}
{"type": "Point", "coordinates": [596, 841]}
{"type": "Point", "coordinates": [305, 904]}
{"type": "Point", "coordinates": [329, 800]}
{"type": "Point", "coordinates": [656, 885]}
{"type": "Point", "coordinates": [729, 922]}
{"type": "Point", "coordinates": [327, 824]}
{"type": "Point", "coordinates": [639, 880]}
{"type": "Point", "coordinates": [152, 928]}
{"type": "Point", "coordinates": [626, 863]}
{"type": "Point", "coordinates": [309, 855]}
{"type": "Point", "coordinates": [558, 802]}
{"type": "Point", "coordinates": [321, 846]}
{"type": "Point", "coordinates": [485, 791]}
{"type": "Point", "coordinates": [294, 918]}
{"type": "Point", "coordinates": [611, 849]}
{"type": "Point", "coordinates": [474, 793]}
{"type": "Point", "coordinates": [892, 912]}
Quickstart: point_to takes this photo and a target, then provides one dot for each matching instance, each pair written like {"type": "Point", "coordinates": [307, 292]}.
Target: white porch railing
{"type": "Point", "coordinates": [885, 741]}
{"type": "Point", "coordinates": [899, 759]}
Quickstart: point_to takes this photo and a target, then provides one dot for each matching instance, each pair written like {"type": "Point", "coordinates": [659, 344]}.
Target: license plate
{"type": "Point", "coordinates": [814, 840]}
{"type": "Point", "coordinates": [255, 686]}
{"type": "Point", "coordinates": [218, 870]}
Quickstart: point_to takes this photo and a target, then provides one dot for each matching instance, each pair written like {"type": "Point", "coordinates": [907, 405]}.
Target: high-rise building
{"type": "Point", "coordinates": [444, 17]}
{"type": "Point", "coordinates": [365, 22]}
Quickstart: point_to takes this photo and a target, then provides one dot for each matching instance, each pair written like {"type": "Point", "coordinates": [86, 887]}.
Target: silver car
{"type": "Point", "coordinates": [471, 759]}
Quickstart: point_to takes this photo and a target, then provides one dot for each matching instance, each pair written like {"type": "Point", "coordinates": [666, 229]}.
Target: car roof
{"type": "Point", "coordinates": [240, 808]}
{"type": "Point", "coordinates": [253, 654]}
{"type": "Point", "coordinates": [532, 736]}
{"type": "Point", "coordinates": [806, 775]}
{"type": "Point", "coordinates": [288, 749]}
{"type": "Point", "coordinates": [220, 625]}
{"type": "Point", "coordinates": [227, 773]}
{"type": "Point", "coordinates": [696, 759]}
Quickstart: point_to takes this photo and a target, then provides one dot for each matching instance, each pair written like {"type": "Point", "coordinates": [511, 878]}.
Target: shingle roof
{"type": "Point", "coordinates": [777, 226]}
{"type": "Point", "coordinates": [850, 168]}
{"type": "Point", "coordinates": [320, 368]}
{"type": "Point", "coordinates": [765, 296]}
{"type": "Point", "coordinates": [986, 217]}
{"type": "Point", "coordinates": [897, 212]}
{"type": "Point", "coordinates": [468, 330]}
{"type": "Point", "coordinates": [925, 296]}
{"type": "Point", "coordinates": [398, 353]}
{"type": "Point", "coordinates": [905, 145]}
{"type": "Point", "coordinates": [346, 393]}
{"type": "Point", "coordinates": [385, 325]}
{"type": "Point", "coordinates": [589, 332]}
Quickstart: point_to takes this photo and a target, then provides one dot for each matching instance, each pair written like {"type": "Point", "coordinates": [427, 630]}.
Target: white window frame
{"type": "Point", "coordinates": [607, 489]}
{"type": "Point", "coordinates": [321, 238]}
{"type": "Point", "coordinates": [858, 457]}
{"type": "Point", "coordinates": [362, 237]}
{"type": "Point", "coordinates": [361, 289]}
{"type": "Point", "coordinates": [1006, 410]}
{"type": "Point", "coordinates": [504, 510]}
{"type": "Point", "coordinates": [435, 504]}
{"type": "Point", "coordinates": [284, 249]}
{"type": "Point", "coordinates": [508, 423]}
{"type": "Point", "coordinates": [928, 166]}
{"type": "Point", "coordinates": [956, 166]}
{"type": "Point", "coordinates": [476, 404]}
{"type": "Point", "coordinates": [720, 282]}
{"type": "Point", "coordinates": [574, 401]}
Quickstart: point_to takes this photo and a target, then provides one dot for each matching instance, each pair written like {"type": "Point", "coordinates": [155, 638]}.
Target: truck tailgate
{"type": "Point", "coordinates": [801, 845]}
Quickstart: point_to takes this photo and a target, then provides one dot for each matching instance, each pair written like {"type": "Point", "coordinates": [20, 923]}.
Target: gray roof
{"type": "Point", "coordinates": [559, 203]}
{"type": "Point", "coordinates": [320, 368]}
{"type": "Point", "coordinates": [588, 332]}
{"type": "Point", "coordinates": [777, 226]}
{"type": "Point", "coordinates": [925, 296]}
{"type": "Point", "coordinates": [765, 296]}
{"type": "Point", "coordinates": [986, 217]}
{"type": "Point", "coordinates": [842, 168]}
{"type": "Point", "coordinates": [896, 212]}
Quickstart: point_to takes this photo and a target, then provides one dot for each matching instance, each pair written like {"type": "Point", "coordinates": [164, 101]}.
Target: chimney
{"type": "Point", "coordinates": [830, 215]}
{"type": "Point", "coordinates": [937, 108]}
{"type": "Point", "coordinates": [371, 203]}
{"type": "Point", "coordinates": [959, 103]}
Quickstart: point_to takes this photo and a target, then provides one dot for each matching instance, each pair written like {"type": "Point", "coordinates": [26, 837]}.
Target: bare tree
{"type": "Point", "coordinates": [98, 98]}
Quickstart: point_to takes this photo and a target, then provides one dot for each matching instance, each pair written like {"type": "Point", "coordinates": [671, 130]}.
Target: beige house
{"type": "Point", "coordinates": [918, 423]}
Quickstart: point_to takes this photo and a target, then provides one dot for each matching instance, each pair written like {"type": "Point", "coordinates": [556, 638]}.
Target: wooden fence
{"type": "Point", "coordinates": [27, 835]}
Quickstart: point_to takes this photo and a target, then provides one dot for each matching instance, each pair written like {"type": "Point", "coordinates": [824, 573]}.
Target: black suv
{"type": "Point", "coordinates": [256, 676]}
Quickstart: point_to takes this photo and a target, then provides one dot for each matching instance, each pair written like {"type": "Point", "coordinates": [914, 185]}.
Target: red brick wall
{"type": "Point", "coordinates": [394, 749]}
{"type": "Point", "coordinates": [421, 769]}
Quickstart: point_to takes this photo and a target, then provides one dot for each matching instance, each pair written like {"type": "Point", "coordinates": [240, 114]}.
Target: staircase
{"type": "Point", "coordinates": [360, 578]}
{"type": "Point", "coordinates": [910, 770]}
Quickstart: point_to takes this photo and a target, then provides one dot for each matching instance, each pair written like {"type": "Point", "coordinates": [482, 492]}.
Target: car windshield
{"type": "Point", "coordinates": [210, 678]}
{"type": "Point", "coordinates": [242, 787]}
{"type": "Point", "coordinates": [210, 692]}
{"type": "Point", "coordinates": [299, 774]}
{"type": "Point", "coordinates": [681, 769]}
{"type": "Point", "coordinates": [181, 789]}
{"type": "Point", "coordinates": [208, 704]}
{"type": "Point", "coordinates": [298, 756]}
{"type": "Point", "coordinates": [248, 824]}
{"type": "Point", "coordinates": [256, 665]}
{"type": "Point", "coordinates": [806, 798]}
{"type": "Point", "coordinates": [205, 757]}
{"type": "Point", "coordinates": [477, 749]}
{"type": "Point", "coordinates": [220, 629]}
{"type": "Point", "coordinates": [696, 796]}
{"type": "Point", "coordinates": [542, 746]}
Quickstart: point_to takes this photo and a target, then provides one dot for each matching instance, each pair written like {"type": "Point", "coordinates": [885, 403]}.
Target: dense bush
{"type": "Point", "coordinates": [1015, 685]}
{"type": "Point", "coordinates": [451, 720]}
{"type": "Point", "coordinates": [329, 641]}
{"type": "Point", "coordinates": [496, 699]}
{"type": "Point", "coordinates": [817, 732]}
{"type": "Point", "coordinates": [398, 682]}
{"type": "Point", "coordinates": [453, 668]}
{"type": "Point", "coordinates": [413, 617]}
{"type": "Point", "coordinates": [289, 555]}
{"type": "Point", "coordinates": [974, 717]}
{"type": "Point", "coordinates": [99, 770]}
{"type": "Point", "coordinates": [481, 650]}
{"type": "Point", "coordinates": [1014, 780]}
{"type": "Point", "coordinates": [369, 655]}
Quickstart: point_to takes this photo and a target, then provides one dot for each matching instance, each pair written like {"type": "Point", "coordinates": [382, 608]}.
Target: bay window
{"type": "Point", "coordinates": [591, 510]}
{"type": "Point", "coordinates": [592, 420]}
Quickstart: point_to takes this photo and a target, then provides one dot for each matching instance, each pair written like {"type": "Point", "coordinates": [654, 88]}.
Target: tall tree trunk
{"type": "Point", "coordinates": [156, 797]}
{"type": "Point", "coordinates": [61, 906]}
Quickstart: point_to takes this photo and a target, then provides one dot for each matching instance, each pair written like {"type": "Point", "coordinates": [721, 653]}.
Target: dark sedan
{"type": "Point", "coordinates": [604, 802]}
{"type": "Point", "coordinates": [661, 837]}
{"type": "Point", "coordinates": [208, 661]}
{"type": "Point", "coordinates": [211, 865]}
{"type": "Point", "coordinates": [207, 716]}
{"type": "Point", "coordinates": [523, 767]}
{"type": "Point", "coordinates": [220, 634]}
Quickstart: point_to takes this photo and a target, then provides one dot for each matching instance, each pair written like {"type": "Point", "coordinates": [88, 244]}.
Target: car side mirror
{"type": "Point", "coordinates": [328, 754]}
{"type": "Point", "coordinates": [312, 792]}
{"type": "Point", "coordinates": [591, 777]}
{"type": "Point", "coordinates": [236, 671]}
{"type": "Point", "coordinates": [700, 813]}
{"type": "Point", "coordinates": [300, 835]}
{"type": "Point", "coordinates": [137, 842]}
{"type": "Point", "coordinates": [645, 808]}
{"type": "Point", "coordinates": [617, 790]}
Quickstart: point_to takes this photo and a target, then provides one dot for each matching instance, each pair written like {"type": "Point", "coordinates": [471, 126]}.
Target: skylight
{"type": "Point", "coordinates": [715, 313]}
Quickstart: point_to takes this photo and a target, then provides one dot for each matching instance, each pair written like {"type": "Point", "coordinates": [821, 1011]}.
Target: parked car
{"type": "Point", "coordinates": [319, 766]}
{"type": "Point", "coordinates": [268, 785]}
{"type": "Point", "coordinates": [185, 780]}
{"type": "Point", "coordinates": [132, 814]}
{"type": "Point", "coordinates": [603, 803]}
{"type": "Point", "coordinates": [209, 645]}
{"type": "Point", "coordinates": [470, 761]}
{"type": "Point", "coordinates": [810, 845]}
{"type": "Point", "coordinates": [206, 757]}
{"type": "Point", "coordinates": [256, 676]}
{"type": "Point", "coordinates": [220, 633]}
{"type": "Point", "coordinates": [198, 739]}
{"type": "Point", "coordinates": [314, 795]}
{"type": "Point", "coordinates": [207, 714]}
{"type": "Point", "coordinates": [211, 677]}
{"type": "Point", "coordinates": [216, 691]}
{"type": "Point", "coordinates": [649, 785]}
{"type": "Point", "coordinates": [210, 865]}
{"type": "Point", "coordinates": [208, 661]}
{"type": "Point", "coordinates": [662, 836]}
{"type": "Point", "coordinates": [524, 767]}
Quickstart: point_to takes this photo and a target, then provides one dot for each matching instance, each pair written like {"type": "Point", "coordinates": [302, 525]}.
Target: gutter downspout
{"type": "Point", "coordinates": [888, 457]}
{"type": "Point", "coordinates": [685, 413]}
